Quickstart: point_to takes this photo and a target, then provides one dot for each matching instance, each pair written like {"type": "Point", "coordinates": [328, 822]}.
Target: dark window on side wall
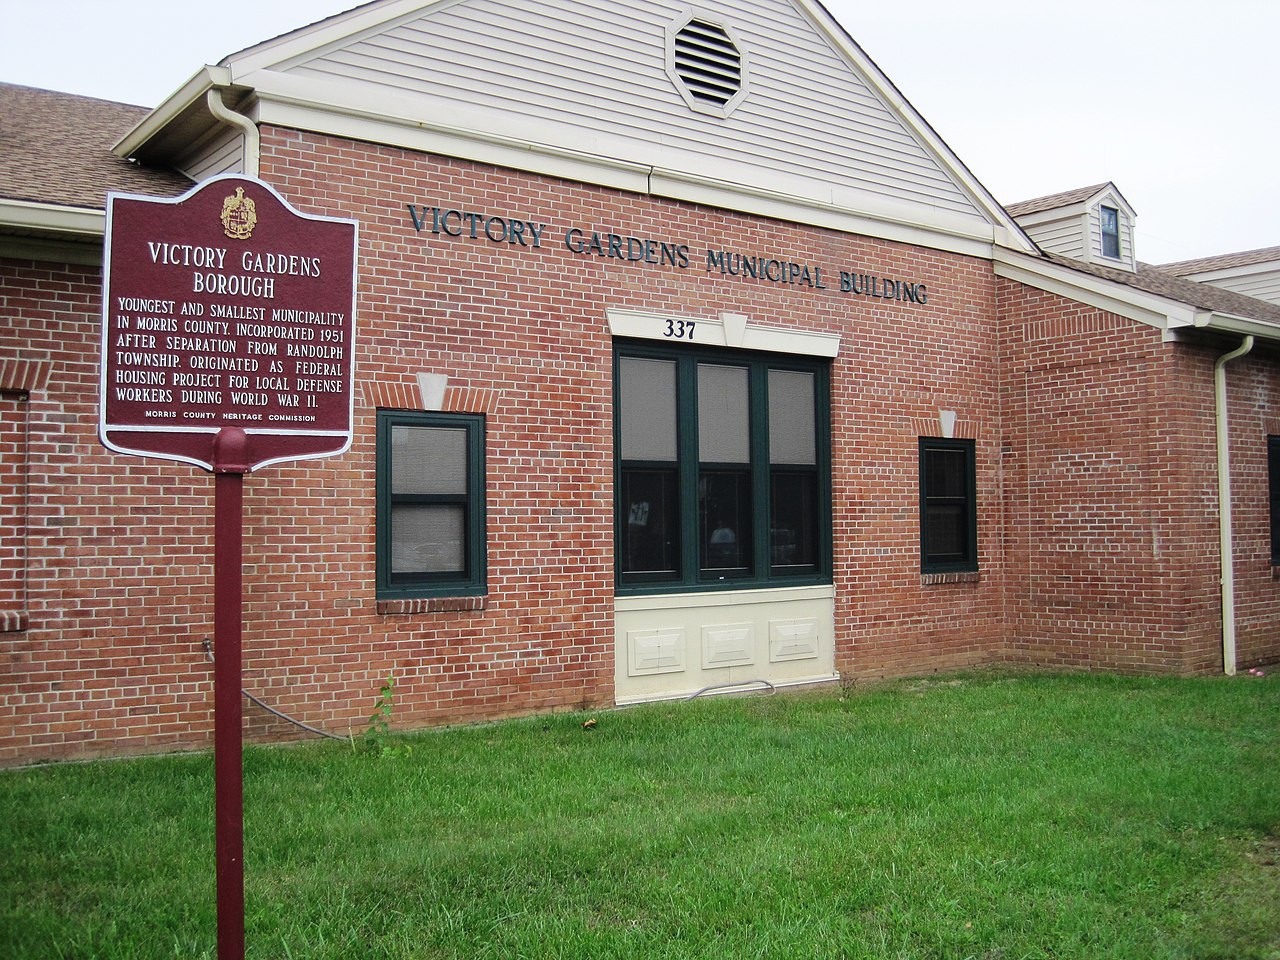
{"type": "Point", "coordinates": [1110, 232]}
{"type": "Point", "coordinates": [430, 504]}
{"type": "Point", "coordinates": [723, 469]}
{"type": "Point", "coordinates": [948, 506]}
{"type": "Point", "coordinates": [1273, 487]}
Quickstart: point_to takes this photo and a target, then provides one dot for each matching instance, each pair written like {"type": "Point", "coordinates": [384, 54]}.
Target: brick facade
{"type": "Point", "coordinates": [1094, 444]}
{"type": "Point", "coordinates": [1111, 492]}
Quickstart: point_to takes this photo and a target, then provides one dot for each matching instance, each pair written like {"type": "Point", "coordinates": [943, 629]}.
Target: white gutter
{"type": "Point", "coordinates": [81, 222]}
{"type": "Point", "coordinates": [1225, 545]}
{"type": "Point", "coordinates": [252, 141]}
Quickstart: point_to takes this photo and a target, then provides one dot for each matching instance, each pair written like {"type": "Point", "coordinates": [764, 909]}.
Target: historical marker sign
{"type": "Point", "coordinates": [228, 342]}
{"type": "Point", "coordinates": [226, 308]}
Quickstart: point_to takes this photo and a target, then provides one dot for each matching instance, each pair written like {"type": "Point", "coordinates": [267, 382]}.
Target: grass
{"type": "Point", "coordinates": [985, 816]}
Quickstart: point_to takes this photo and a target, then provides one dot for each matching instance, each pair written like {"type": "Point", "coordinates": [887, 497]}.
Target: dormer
{"type": "Point", "coordinates": [1092, 224]}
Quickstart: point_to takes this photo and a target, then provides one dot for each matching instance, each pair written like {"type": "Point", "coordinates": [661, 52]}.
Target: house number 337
{"type": "Point", "coordinates": [679, 329]}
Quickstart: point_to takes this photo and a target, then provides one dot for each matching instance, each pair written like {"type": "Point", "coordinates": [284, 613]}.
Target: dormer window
{"type": "Point", "coordinates": [1092, 225]}
{"type": "Point", "coordinates": [1110, 232]}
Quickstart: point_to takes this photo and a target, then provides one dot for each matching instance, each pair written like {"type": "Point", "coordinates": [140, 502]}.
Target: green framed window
{"type": "Point", "coordinates": [723, 469]}
{"type": "Point", "coordinates": [948, 506]}
{"type": "Point", "coordinates": [430, 504]}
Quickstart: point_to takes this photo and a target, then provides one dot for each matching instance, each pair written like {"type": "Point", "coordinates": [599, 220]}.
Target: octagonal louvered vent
{"type": "Point", "coordinates": [707, 64]}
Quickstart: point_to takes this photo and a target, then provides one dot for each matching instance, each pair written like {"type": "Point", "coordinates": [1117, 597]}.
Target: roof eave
{"type": "Point", "coordinates": [184, 105]}
{"type": "Point", "coordinates": [1009, 232]}
{"type": "Point", "coordinates": [52, 232]}
{"type": "Point", "coordinates": [1171, 316]}
{"type": "Point", "coordinates": [1084, 287]}
{"type": "Point", "coordinates": [50, 220]}
{"type": "Point", "coordinates": [1217, 322]}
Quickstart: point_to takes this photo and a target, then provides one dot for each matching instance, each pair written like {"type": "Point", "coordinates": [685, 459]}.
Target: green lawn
{"type": "Point", "coordinates": [991, 816]}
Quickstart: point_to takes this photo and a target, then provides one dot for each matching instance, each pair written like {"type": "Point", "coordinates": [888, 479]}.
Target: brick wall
{"type": "Point", "coordinates": [115, 550]}
{"type": "Point", "coordinates": [1111, 492]}
{"type": "Point", "coordinates": [1253, 414]}
{"type": "Point", "coordinates": [120, 553]}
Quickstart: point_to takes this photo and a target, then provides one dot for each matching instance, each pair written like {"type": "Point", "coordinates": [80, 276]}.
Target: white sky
{"type": "Point", "coordinates": [1175, 101]}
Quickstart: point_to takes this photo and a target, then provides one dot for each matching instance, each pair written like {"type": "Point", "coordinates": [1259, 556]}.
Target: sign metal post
{"type": "Point", "coordinates": [228, 763]}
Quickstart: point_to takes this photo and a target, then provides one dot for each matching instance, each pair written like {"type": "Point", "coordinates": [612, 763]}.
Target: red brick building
{"type": "Point", "coordinates": [687, 356]}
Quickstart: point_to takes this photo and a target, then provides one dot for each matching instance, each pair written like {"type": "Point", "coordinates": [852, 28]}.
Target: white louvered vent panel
{"type": "Point", "coordinates": [708, 63]}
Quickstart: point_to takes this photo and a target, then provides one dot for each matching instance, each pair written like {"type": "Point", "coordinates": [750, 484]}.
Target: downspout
{"type": "Point", "coordinates": [1225, 545]}
{"type": "Point", "coordinates": [250, 129]}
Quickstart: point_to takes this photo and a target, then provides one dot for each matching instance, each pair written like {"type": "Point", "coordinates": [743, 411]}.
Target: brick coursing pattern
{"type": "Point", "coordinates": [1095, 512]}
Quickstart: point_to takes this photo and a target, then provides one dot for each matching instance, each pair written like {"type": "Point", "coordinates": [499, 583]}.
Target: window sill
{"type": "Point", "coordinates": [968, 576]}
{"type": "Point", "coordinates": [410, 605]}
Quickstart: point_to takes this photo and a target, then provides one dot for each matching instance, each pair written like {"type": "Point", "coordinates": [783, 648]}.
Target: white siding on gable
{"type": "Point", "coordinates": [1265, 285]}
{"type": "Point", "coordinates": [1063, 237]}
{"type": "Point", "coordinates": [588, 77]}
{"type": "Point", "coordinates": [223, 153]}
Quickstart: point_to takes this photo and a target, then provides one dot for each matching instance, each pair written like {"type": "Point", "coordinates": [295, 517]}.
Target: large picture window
{"type": "Point", "coordinates": [431, 499]}
{"type": "Point", "coordinates": [723, 469]}
{"type": "Point", "coordinates": [948, 506]}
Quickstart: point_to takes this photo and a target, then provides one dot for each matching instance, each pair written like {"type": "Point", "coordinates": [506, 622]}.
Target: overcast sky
{"type": "Point", "coordinates": [1176, 102]}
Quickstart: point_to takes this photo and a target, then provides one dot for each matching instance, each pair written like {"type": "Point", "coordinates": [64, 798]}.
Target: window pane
{"type": "Point", "coordinates": [793, 541]}
{"type": "Point", "coordinates": [647, 418]}
{"type": "Point", "coordinates": [428, 460]}
{"type": "Point", "coordinates": [428, 539]}
{"type": "Point", "coordinates": [945, 474]}
{"type": "Point", "coordinates": [792, 437]}
{"type": "Point", "coordinates": [1110, 232]}
{"type": "Point", "coordinates": [948, 508]}
{"type": "Point", "coordinates": [650, 535]}
{"type": "Point", "coordinates": [724, 513]}
{"type": "Point", "coordinates": [946, 532]}
{"type": "Point", "coordinates": [723, 415]}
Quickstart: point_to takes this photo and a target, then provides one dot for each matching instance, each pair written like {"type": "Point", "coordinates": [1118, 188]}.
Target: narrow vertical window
{"type": "Point", "coordinates": [13, 510]}
{"type": "Point", "coordinates": [793, 472]}
{"type": "Point", "coordinates": [1273, 489]}
{"type": "Point", "coordinates": [649, 475]}
{"type": "Point", "coordinates": [948, 507]}
{"type": "Point", "coordinates": [1110, 232]}
{"type": "Point", "coordinates": [430, 504]}
{"type": "Point", "coordinates": [725, 533]}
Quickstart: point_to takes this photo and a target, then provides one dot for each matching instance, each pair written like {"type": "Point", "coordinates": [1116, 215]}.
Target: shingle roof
{"type": "Point", "coordinates": [1064, 199]}
{"type": "Point", "coordinates": [1222, 262]}
{"type": "Point", "coordinates": [1157, 280]}
{"type": "Point", "coordinates": [56, 148]}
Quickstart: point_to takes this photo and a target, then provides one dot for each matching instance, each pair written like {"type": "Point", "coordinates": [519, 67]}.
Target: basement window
{"type": "Point", "coordinates": [705, 63]}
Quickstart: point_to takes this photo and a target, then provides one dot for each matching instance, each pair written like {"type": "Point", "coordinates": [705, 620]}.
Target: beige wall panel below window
{"type": "Point", "coordinates": [721, 637]}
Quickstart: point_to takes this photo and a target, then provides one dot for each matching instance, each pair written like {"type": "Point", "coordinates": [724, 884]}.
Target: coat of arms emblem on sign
{"type": "Point", "coordinates": [239, 215]}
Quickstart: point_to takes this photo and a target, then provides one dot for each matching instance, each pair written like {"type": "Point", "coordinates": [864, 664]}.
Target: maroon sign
{"type": "Point", "coordinates": [228, 328]}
